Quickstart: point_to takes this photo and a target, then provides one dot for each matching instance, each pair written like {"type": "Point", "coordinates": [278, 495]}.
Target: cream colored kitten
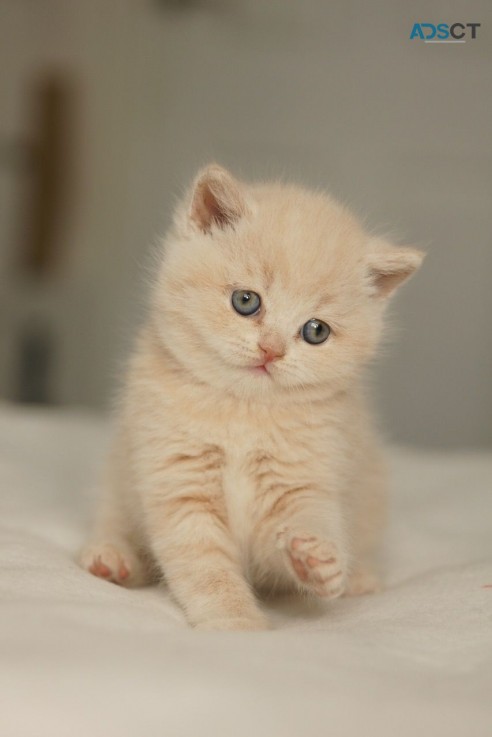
{"type": "Point", "coordinates": [245, 459]}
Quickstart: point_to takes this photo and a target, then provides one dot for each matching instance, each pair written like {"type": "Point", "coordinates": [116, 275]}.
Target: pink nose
{"type": "Point", "coordinates": [270, 353]}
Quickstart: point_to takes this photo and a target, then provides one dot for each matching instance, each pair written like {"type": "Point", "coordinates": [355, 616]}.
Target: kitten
{"type": "Point", "coordinates": [245, 459]}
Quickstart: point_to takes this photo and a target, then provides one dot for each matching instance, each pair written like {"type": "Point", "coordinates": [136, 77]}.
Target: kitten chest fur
{"type": "Point", "coordinates": [261, 462]}
{"type": "Point", "coordinates": [265, 449]}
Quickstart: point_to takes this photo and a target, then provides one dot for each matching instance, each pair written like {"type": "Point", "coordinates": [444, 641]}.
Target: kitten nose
{"type": "Point", "coordinates": [271, 351]}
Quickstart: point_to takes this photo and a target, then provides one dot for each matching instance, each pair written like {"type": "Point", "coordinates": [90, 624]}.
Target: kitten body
{"type": "Point", "coordinates": [245, 459]}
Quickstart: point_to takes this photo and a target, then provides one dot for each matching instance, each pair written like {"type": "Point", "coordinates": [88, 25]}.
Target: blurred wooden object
{"type": "Point", "coordinates": [49, 174]}
{"type": "Point", "coordinates": [43, 163]}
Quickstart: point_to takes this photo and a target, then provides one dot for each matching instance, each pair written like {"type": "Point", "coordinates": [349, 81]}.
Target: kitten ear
{"type": "Point", "coordinates": [216, 200]}
{"type": "Point", "coordinates": [389, 266]}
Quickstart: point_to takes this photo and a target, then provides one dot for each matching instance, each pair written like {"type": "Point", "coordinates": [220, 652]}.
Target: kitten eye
{"type": "Point", "coordinates": [246, 303]}
{"type": "Point", "coordinates": [315, 331]}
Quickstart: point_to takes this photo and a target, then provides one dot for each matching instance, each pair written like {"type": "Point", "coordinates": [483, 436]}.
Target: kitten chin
{"type": "Point", "coordinates": [245, 458]}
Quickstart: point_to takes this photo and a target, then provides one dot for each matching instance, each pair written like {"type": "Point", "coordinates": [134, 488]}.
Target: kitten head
{"type": "Point", "coordinates": [268, 290]}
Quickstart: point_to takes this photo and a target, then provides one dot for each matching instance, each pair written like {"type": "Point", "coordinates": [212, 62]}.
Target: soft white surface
{"type": "Point", "coordinates": [81, 657]}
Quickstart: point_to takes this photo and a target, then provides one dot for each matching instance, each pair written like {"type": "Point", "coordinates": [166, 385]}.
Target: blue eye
{"type": "Point", "coordinates": [315, 331]}
{"type": "Point", "coordinates": [246, 303]}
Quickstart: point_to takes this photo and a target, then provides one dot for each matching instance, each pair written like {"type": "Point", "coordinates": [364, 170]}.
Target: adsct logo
{"type": "Point", "coordinates": [444, 33]}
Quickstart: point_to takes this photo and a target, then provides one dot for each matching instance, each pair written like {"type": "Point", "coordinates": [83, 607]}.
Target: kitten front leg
{"type": "Point", "coordinates": [301, 542]}
{"type": "Point", "coordinates": [191, 542]}
{"type": "Point", "coordinates": [200, 563]}
{"type": "Point", "coordinates": [114, 550]}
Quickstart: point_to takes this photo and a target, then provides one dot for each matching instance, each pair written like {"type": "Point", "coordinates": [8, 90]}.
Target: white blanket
{"type": "Point", "coordinates": [80, 657]}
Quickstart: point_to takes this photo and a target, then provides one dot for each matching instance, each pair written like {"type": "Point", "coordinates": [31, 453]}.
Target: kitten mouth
{"type": "Point", "coordinates": [262, 368]}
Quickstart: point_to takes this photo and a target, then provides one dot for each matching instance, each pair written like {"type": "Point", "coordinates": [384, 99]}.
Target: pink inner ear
{"type": "Point", "coordinates": [390, 266]}
{"type": "Point", "coordinates": [386, 283]}
{"type": "Point", "coordinates": [207, 208]}
{"type": "Point", "coordinates": [212, 210]}
{"type": "Point", "coordinates": [217, 199]}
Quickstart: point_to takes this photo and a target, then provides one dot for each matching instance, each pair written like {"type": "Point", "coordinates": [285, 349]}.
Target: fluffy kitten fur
{"type": "Point", "coordinates": [231, 479]}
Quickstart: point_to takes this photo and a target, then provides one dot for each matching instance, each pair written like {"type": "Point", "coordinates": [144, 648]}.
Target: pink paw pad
{"type": "Point", "coordinates": [316, 564]}
{"type": "Point", "coordinates": [123, 572]}
{"type": "Point", "coordinates": [106, 562]}
{"type": "Point", "coordinates": [98, 568]}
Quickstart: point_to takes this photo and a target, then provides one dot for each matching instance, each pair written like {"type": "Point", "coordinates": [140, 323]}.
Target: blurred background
{"type": "Point", "coordinates": [109, 106]}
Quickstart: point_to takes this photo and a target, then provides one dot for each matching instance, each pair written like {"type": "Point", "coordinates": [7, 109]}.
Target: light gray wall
{"type": "Point", "coordinates": [332, 94]}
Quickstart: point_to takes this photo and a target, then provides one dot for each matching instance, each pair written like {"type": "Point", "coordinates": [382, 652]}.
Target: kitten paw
{"type": "Point", "coordinates": [315, 563]}
{"type": "Point", "coordinates": [117, 564]}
